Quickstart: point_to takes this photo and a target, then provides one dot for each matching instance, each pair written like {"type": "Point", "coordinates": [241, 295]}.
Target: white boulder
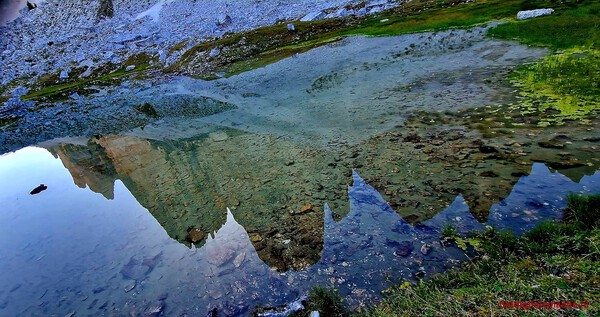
{"type": "Point", "coordinates": [523, 15]}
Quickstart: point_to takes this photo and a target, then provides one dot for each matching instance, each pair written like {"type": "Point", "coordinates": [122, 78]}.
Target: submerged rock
{"type": "Point", "coordinates": [292, 307]}
{"type": "Point", "coordinates": [487, 149]}
{"type": "Point", "coordinates": [129, 286]}
{"type": "Point", "coordinates": [557, 142]}
{"type": "Point", "coordinates": [220, 256]}
{"type": "Point", "coordinates": [425, 249]}
{"type": "Point", "coordinates": [195, 235]}
{"type": "Point", "coordinates": [404, 249]}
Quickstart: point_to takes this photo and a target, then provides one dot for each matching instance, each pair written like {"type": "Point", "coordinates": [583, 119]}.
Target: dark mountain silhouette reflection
{"type": "Point", "coordinates": [119, 260]}
{"type": "Point", "coordinates": [536, 198]}
{"type": "Point", "coordinates": [373, 247]}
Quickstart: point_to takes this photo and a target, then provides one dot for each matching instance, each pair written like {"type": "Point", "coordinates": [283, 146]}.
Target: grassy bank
{"type": "Point", "coordinates": [51, 88]}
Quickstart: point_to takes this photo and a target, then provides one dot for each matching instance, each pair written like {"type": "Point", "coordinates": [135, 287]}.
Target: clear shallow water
{"type": "Point", "coordinates": [70, 249]}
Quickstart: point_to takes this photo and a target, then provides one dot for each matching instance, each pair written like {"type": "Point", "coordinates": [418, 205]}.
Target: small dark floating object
{"type": "Point", "coordinates": [38, 189]}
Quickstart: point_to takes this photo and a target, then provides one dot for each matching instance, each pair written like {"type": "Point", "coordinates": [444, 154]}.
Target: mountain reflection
{"type": "Point", "coordinates": [127, 264]}
{"type": "Point", "coordinates": [276, 191]}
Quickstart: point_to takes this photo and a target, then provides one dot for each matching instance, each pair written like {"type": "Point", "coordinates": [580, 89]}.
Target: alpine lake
{"type": "Point", "coordinates": [339, 167]}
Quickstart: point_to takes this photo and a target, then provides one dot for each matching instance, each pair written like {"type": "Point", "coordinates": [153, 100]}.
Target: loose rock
{"type": "Point", "coordinates": [522, 15]}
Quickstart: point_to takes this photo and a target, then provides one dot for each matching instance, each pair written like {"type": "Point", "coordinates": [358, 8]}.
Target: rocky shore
{"type": "Point", "coordinates": [59, 36]}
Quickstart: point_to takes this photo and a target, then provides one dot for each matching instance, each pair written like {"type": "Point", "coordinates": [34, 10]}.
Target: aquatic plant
{"type": "Point", "coordinates": [564, 86]}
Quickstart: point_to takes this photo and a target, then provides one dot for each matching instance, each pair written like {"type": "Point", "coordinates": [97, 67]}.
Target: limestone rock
{"type": "Point", "coordinates": [312, 16]}
{"type": "Point", "coordinates": [64, 74]}
{"type": "Point", "coordinates": [522, 15]}
{"type": "Point", "coordinates": [425, 249]}
{"type": "Point", "coordinates": [220, 256]}
{"type": "Point", "coordinates": [223, 20]}
{"type": "Point", "coordinates": [239, 259]}
{"type": "Point", "coordinates": [404, 249]}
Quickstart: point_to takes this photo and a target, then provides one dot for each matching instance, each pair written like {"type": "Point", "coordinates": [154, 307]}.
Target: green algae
{"type": "Point", "coordinates": [563, 86]}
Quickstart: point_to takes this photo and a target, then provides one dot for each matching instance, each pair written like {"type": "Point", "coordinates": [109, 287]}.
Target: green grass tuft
{"type": "Point", "coordinates": [575, 26]}
{"type": "Point", "coordinates": [584, 210]}
{"type": "Point", "coordinates": [565, 86]}
{"type": "Point", "coordinates": [326, 301]}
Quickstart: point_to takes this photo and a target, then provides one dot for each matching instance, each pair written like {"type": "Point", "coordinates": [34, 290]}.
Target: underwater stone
{"type": "Point", "coordinates": [425, 249]}
{"type": "Point", "coordinates": [220, 256]}
{"type": "Point", "coordinates": [404, 248]}
{"type": "Point", "coordinates": [487, 149]}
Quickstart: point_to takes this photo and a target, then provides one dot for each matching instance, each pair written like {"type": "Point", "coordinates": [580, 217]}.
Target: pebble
{"type": "Point", "coordinates": [404, 249]}
{"type": "Point", "coordinates": [129, 286]}
{"type": "Point", "coordinates": [425, 249]}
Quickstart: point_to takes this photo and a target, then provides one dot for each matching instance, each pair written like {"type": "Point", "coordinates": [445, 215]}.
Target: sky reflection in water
{"type": "Point", "coordinates": [69, 249]}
